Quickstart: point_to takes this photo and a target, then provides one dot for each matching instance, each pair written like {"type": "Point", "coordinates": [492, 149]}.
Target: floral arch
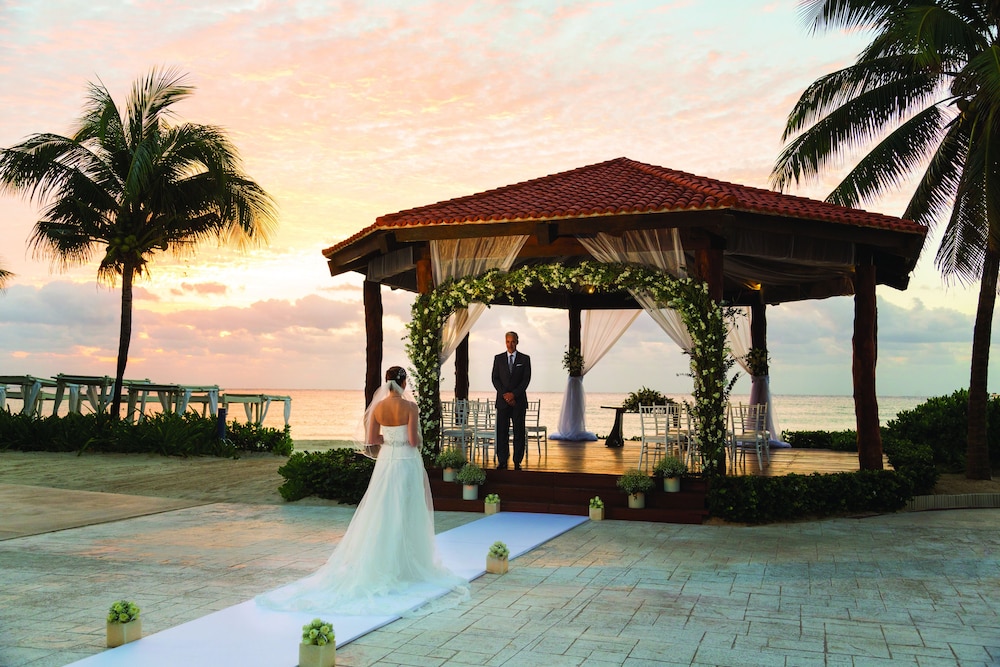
{"type": "Point", "coordinates": [703, 317]}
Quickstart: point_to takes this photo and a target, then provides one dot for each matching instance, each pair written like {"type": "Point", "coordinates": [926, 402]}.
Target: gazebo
{"type": "Point", "coordinates": [752, 247]}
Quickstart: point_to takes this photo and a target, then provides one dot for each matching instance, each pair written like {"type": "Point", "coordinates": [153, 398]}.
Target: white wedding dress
{"type": "Point", "coordinates": [386, 563]}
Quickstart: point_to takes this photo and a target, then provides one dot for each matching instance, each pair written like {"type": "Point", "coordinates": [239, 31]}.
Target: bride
{"type": "Point", "coordinates": [386, 563]}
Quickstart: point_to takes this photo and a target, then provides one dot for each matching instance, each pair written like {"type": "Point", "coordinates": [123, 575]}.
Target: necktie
{"type": "Point", "coordinates": [510, 363]}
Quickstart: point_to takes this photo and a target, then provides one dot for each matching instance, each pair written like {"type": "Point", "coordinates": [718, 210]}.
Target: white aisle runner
{"type": "Point", "coordinates": [251, 636]}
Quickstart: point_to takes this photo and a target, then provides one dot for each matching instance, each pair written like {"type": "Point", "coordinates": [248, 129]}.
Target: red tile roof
{"type": "Point", "coordinates": [620, 187]}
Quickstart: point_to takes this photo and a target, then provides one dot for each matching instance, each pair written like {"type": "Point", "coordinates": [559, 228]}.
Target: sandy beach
{"type": "Point", "coordinates": [252, 478]}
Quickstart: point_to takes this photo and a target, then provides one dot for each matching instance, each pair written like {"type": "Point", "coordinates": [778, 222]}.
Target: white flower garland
{"type": "Point", "coordinates": [704, 318]}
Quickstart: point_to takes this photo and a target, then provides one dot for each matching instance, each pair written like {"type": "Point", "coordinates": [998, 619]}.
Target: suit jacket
{"type": "Point", "coordinates": [517, 381]}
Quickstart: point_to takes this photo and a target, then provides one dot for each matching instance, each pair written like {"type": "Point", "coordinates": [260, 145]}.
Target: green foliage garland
{"type": "Point", "coordinates": [703, 317]}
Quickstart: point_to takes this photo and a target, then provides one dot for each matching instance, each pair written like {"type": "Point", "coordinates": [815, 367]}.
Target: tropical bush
{"type": "Point", "coordinates": [942, 423]}
{"type": "Point", "coordinates": [838, 441]}
{"type": "Point", "coordinates": [336, 474]}
{"type": "Point", "coordinates": [170, 434]}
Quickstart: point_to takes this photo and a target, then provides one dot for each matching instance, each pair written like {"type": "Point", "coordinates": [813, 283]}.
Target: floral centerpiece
{"type": "Point", "coordinates": [596, 509]}
{"type": "Point", "coordinates": [573, 361]}
{"type": "Point", "coordinates": [496, 559]}
{"type": "Point", "coordinates": [492, 503]}
{"type": "Point", "coordinates": [470, 477]}
{"type": "Point", "coordinates": [318, 646]}
{"type": "Point", "coordinates": [123, 611]}
{"type": "Point", "coordinates": [450, 460]}
{"type": "Point", "coordinates": [635, 483]}
{"type": "Point", "coordinates": [757, 361]}
{"type": "Point", "coordinates": [124, 624]}
{"type": "Point", "coordinates": [670, 468]}
{"type": "Point", "coordinates": [644, 396]}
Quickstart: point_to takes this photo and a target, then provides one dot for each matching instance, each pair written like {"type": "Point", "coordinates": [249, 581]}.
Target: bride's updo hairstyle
{"type": "Point", "coordinates": [396, 377]}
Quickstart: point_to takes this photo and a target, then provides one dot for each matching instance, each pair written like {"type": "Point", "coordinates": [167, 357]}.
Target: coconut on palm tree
{"type": "Point", "coordinates": [130, 183]}
{"type": "Point", "coordinates": [924, 97]}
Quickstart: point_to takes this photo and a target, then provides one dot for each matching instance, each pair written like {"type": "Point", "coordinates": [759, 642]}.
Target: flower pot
{"type": "Point", "coordinates": [492, 508]}
{"type": "Point", "coordinates": [470, 492]}
{"type": "Point", "coordinates": [448, 474]}
{"type": "Point", "coordinates": [496, 565]}
{"type": "Point", "coordinates": [637, 501]}
{"type": "Point", "coordinates": [311, 655]}
{"type": "Point", "coordinates": [671, 484]}
{"type": "Point", "coordinates": [123, 633]}
{"type": "Point", "coordinates": [597, 514]}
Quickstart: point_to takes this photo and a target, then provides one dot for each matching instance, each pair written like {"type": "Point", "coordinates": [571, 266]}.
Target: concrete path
{"type": "Point", "coordinates": [919, 588]}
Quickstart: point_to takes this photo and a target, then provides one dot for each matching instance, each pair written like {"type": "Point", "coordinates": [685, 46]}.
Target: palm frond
{"type": "Point", "coordinates": [888, 164]}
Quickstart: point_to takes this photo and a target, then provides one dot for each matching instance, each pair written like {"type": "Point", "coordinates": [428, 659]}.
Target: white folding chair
{"type": "Point", "coordinates": [457, 427]}
{"type": "Point", "coordinates": [748, 429]}
{"type": "Point", "coordinates": [535, 430]}
{"type": "Point", "coordinates": [484, 436]}
{"type": "Point", "coordinates": [654, 425]}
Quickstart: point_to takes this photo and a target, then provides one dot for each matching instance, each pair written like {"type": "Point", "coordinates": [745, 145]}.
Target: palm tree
{"type": "Point", "coordinates": [923, 95]}
{"type": "Point", "coordinates": [132, 184]}
{"type": "Point", "coordinates": [4, 277]}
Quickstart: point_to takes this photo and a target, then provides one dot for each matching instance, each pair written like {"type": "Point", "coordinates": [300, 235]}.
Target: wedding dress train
{"type": "Point", "coordinates": [386, 563]}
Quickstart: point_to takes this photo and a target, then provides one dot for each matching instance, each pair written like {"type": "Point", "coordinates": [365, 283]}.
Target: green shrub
{"type": "Point", "coordinates": [336, 474]}
{"type": "Point", "coordinates": [942, 423]}
{"type": "Point", "coordinates": [838, 441]}
{"type": "Point", "coordinates": [752, 499]}
{"type": "Point", "coordinates": [170, 434]}
{"type": "Point", "coordinates": [253, 438]}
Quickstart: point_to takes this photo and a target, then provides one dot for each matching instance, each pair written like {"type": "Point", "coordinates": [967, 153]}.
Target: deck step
{"type": "Point", "coordinates": [570, 493]}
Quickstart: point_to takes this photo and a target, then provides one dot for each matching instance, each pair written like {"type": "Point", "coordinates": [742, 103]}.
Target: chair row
{"type": "Point", "coordinates": [672, 429]}
{"type": "Point", "coordinates": [470, 425]}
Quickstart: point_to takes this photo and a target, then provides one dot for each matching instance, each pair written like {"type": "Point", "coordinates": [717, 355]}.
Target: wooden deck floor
{"type": "Point", "coordinates": [594, 457]}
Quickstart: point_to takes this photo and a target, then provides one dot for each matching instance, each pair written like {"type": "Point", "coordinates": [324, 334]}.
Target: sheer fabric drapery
{"type": "Point", "coordinates": [657, 248]}
{"type": "Point", "coordinates": [600, 330]}
{"type": "Point", "coordinates": [458, 258]}
{"type": "Point", "coordinates": [738, 337]}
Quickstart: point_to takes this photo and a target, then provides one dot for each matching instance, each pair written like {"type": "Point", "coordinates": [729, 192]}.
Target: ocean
{"type": "Point", "coordinates": [334, 414]}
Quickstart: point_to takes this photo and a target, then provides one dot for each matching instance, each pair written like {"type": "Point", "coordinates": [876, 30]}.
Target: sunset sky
{"type": "Point", "coordinates": [345, 111]}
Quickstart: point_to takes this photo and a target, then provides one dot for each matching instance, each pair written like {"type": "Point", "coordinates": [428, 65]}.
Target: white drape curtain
{"type": "Point", "coordinates": [458, 258]}
{"type": "Point", "coordinates": [657, 248]}
{"type": "Point", "coordinates": [738, 337]}
{"type": "Point", "coordinates": [600, 330]}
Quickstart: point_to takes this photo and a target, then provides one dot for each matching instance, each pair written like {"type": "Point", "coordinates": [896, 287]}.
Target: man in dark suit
{"type": "Point", "coordinates": [511, 375]}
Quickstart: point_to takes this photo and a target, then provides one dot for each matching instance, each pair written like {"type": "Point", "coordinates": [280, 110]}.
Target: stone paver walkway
{"type": "Point", "coordinates": [920, 588]}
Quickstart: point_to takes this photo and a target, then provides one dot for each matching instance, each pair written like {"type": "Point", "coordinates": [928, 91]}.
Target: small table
{"type": "Point", "coordinates": [615, 437]}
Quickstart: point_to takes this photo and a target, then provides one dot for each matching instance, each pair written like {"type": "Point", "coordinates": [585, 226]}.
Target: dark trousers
{"type": "Point", "coordinates": [506, 416]}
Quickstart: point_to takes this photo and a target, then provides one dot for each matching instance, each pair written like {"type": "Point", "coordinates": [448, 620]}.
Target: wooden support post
{"type": "Point", "coordinates": [425, 284]}
{"type": "Point", "coordinates": [462, 369]}
{"type": "Point", "coordinates": [372, 296]}
{"type": "Point", "coordinates": [575, 327]}
{"type": "Point", "coordinates": [425, 277]}
{"type": "Point", "coordinates": [865, 356]}
{"type": "Point", "coordinates": [708, 267]}
{"type": "Point", "coordinates": [758, 328]}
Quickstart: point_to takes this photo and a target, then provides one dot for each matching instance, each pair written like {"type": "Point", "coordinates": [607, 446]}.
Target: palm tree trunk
{"type": "Point", "coordinates": [125, 336]}
{"type": "Point", "coordinates": [977, 454]}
